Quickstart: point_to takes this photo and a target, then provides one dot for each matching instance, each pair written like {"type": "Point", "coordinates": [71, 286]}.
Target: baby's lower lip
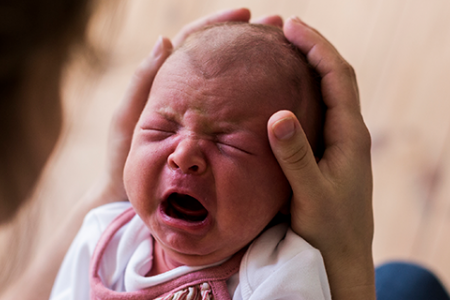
{"type": "Point", "coordinates": [191, 227]}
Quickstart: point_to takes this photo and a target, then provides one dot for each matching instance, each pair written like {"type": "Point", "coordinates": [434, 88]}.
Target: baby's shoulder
{"type": "Point", "coordinates": [279, 264]}
{"type": "Point", "coordinates": [279, 244]}
{"type": "Point", "coordinates": [102, 216]}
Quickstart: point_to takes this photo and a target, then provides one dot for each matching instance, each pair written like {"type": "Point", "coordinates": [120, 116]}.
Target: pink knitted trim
{"type": "Point", "coordinates": [198, 292]}
{"type": "Point", "coordinates": [214, 277]}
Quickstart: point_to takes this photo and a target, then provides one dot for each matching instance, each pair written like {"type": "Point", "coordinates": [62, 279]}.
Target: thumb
{"type": "Point", "coordinates": [293, 152]}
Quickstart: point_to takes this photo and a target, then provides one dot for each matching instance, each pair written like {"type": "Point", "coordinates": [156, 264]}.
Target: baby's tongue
{"type": "Point", "coordinates": [187, 208]}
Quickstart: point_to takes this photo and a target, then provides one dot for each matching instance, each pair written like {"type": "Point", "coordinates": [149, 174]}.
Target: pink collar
{"type": "Point", "coordinates": [203, 284]}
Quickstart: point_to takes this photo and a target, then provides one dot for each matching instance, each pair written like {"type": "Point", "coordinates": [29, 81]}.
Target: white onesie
{"type": "Point", "coordinates": [277, 265]}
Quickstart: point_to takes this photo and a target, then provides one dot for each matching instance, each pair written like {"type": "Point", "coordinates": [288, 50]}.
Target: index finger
{"type": "Point", "coordinates": [138, 90]}
{"type": "Point", "coordinates": [236, 15]}
{"type": "Point", "coordinates": [274, 20]}
{"type": "Point", "coordinates": [343, 122]}
{"type": "Point", "coordinates": [338, 77]}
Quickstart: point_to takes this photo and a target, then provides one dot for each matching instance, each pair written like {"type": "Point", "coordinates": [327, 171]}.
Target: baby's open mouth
{"type": "Point", "coordinates": [185, 207]}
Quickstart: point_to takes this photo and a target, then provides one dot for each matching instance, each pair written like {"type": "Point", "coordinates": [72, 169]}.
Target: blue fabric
{"type": "Point", "coordinates": [406, 281]}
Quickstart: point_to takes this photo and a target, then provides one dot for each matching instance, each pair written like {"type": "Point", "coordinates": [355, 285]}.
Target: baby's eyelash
{"type": "Point", "coordinates": [157, 130]}
{"type": "Point", "coordinates": [156, 134]}
{"type": "Point", "coordinates": [234, 147]}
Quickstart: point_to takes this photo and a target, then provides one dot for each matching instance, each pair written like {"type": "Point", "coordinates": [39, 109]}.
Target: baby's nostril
{"type": "Point", "coordinates": [194, 168]}
{"type": "Point", "coordinates": [173, 165]}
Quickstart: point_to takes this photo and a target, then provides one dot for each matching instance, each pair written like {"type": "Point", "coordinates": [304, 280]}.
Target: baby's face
{"type": "Point", "coordinates": [200, 172]}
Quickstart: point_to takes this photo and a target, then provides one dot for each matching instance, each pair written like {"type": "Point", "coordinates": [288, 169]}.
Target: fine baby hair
{"type": "Point", "coordinates": [265, 54]}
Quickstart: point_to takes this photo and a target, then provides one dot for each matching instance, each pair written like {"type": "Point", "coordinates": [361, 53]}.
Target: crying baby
{"type": "Point", "coordinates": [203, 184]}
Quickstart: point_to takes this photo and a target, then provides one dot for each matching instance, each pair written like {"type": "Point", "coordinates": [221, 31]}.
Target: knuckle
{"type": "Point", "coordinates": [365, 140]}
{"type": "Point", "coordinates": [348, 69]}
{"type": "Point", "coordinates": [361, 143]}
{"type": "Point", "coordinates": [296, 158]}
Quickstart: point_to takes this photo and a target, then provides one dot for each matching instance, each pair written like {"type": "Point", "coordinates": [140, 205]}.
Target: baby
{"type": "Point", "coordinates": [203, 184]}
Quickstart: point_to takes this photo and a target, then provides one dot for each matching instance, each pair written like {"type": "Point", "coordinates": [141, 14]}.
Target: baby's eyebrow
{"type": "Point", "coordinates": [223, 127]}
{"type": "Point", "coordinates": [168, 114]}
{"type": "Point", "coordinates": [208, 125]}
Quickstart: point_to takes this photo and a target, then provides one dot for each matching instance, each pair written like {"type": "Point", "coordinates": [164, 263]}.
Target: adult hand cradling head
{"type": "Point", "coordinates": [331, 200]}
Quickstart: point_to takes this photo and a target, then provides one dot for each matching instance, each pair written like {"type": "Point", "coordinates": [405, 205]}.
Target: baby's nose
{"type": "Point", "coordinates": [188, 157]}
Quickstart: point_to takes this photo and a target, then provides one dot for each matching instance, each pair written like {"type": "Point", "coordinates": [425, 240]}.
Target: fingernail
{"type": "Point", "coordinates": [296, 20]}
{"type": "Point", "coordinates": [158, 49]}
{"type": "Point", "coordinates": [284, 129]}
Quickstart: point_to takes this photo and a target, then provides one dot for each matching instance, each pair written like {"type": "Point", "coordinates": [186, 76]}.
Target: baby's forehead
{"type": "Point", "coordinates": [251, 50]}
{"type": "Point", "coordinates": [223, 103]}
{"type": "Point", "coordinates": [259, 58]}
{"type": "Point", "coordinates": [235, 81]}
{"type": "Point", "coordinates": [252, 73]}
{"type": "Point", "coordinates": [179, 73]}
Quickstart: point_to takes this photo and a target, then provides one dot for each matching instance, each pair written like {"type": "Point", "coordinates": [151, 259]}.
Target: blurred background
{"type": "Point", "coordinates": [400, 51]}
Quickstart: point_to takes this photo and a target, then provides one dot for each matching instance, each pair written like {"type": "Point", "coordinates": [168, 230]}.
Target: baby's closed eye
{"type": "Point", "coordinates": [156, 134]}
{"type": "Point", "coordinates": [233, 143]}
{"type": "Point", "coordinates": [157, 129]}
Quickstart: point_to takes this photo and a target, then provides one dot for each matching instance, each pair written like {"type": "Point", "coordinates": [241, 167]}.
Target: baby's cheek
{"type": "Point", "coordinates": [137, 170]}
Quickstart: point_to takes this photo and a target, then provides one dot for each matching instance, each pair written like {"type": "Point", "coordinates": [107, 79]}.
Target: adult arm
{"type": "Point", "coordinates": [332, 200]}
{"type": "Point", "coordinates": [37, 280]}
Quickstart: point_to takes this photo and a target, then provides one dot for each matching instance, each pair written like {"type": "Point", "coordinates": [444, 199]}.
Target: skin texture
{"type": "Point", "coordinates": [345, 171]}
{"type": "Point", "coordinates": [206, 137]}
{"type": "Point", "coordinates": [331, 205]}
{"type": "Point", "coordinates": [109, 187]}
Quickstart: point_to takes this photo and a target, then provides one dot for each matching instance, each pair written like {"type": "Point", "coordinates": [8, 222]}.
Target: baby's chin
{"type": "Point", "coordinates": [193, 257]}
{"type": "Point", "coordinates": [179, 251]}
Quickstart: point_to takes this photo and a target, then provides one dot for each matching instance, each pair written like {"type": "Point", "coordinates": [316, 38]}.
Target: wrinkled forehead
{"type": "Point", "coordinates": [235, 85]}
{"type": "Point", "coordinates": [251, 76]}
{"type": "Point", "coordinates": [232, 101]}
{"type": "Point", "coordinates": [221, 50]}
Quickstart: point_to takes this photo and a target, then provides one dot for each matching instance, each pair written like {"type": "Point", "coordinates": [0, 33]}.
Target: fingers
{"type": "Point", "coordinates": [270, 20]}
{"type": "Point", "coordinates": [136, 96]}
{"type": "Point", "coordinates": [344, 126]}
{"type": "Point", "coordinates": [127, 115]}
{"type": "Point", "coordinates": [338, 77]}
{"type": "Point", "coordinates": [308, 40]}
{"type": "Point", "coordinates": [291, 148]}
{"type": "Point", "coordinates": [237, 15]}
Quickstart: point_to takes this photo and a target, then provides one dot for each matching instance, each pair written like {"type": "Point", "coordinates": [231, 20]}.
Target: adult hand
{"type": "Point", "coordinates": [331, 205]}
{"type": "Point", "coordinates": [110, 187]}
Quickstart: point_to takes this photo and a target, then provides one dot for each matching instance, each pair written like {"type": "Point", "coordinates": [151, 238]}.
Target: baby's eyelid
{"type": "Point", "coordinates": [163, 126]}
{"type": "Point", "coordinates": [233, 146]}
{"type": "Point", "coordinates": [164, 130]}
{"type": "Point", "coordinates": [156, 128]}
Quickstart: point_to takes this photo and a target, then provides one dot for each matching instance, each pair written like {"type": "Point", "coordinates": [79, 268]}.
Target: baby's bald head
{"type": "Point", "coordinates": [261, 56]}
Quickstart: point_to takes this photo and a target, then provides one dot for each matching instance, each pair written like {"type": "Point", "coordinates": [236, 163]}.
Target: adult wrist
{"type": "Point", "coordinates": [351, 277]}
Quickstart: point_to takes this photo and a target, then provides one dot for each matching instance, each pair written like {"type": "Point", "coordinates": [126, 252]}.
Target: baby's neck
{"type": "Point", "coordinates": [161, 263]}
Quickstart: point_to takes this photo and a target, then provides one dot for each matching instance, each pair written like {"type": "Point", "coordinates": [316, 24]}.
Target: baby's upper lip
{"type": "Point", "coordinates": [189, 192]}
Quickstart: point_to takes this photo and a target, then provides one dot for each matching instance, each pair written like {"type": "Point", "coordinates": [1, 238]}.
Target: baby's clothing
{"type": "Point", "coordinates": [205, 284]}
{"type": "Point", "coordinates": [277, 265]}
